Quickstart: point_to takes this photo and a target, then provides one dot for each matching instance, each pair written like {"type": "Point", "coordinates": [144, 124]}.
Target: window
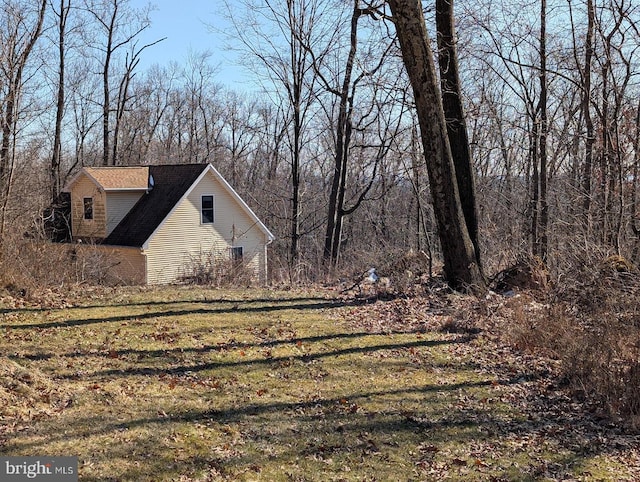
{"type": "Point", "coordinates": [88, 207]}
{"type": "Point", "coordinates": [207, 209]}
{"type": "Point", "coordinates": [236, 254]}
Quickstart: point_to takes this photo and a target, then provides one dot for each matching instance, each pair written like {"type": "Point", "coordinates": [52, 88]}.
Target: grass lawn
{"type": "Point", "coordinates": [194, 384]}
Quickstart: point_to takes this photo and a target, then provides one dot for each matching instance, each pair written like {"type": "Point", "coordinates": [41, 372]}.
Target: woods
{"type": "Point", "coordinates": [453, 287]}
{"type": "Point", "coordinates": [518, 135]}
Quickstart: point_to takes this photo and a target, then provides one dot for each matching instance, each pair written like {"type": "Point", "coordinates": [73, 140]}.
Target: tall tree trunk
{"type": "Point", "coordinates": [542, 239]}
{"type": "Point", "coordinates": [534, 166]}
{"type": "Point", "coordinates": [106, 89]}
{"type": "Point", "coordinates": [343, 139]}
{"type": "Point", "coordinates": [586, 112]}
{"type": "Point", "coordinates": [295, 192]}
{"type": "Point", "coordinates": [296, 101]}
{"type": "Point", "coordinates": [455, 119]}
{"type": "Point", "coordinates": [603, 198]}
{"type": "Point", "coordinates": [460, 265]}
{"type": "Point", "coordinates": [54, 172]}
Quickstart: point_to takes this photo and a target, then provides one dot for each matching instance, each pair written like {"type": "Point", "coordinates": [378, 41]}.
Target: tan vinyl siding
{"type": "Point", "coordinates": [183, 240]}
{"type": "Point", "coordinates": [124, 264]}
{"type": "Point", "coordinates": [118, 205]}
{"type": "Point", "coordinates": [87, 228]}
{"type": "Point", "coordinates": [130, 265]}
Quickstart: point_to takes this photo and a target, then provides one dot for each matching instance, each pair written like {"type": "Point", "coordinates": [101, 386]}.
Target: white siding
{"type": "Point", "coordinates": [182, 239]}
{"type": "Point", "coordinates": [118, 205]}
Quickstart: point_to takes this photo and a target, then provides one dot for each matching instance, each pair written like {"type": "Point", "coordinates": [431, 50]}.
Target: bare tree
{"type": "Point", "coordinates": [345, 87]}
{"type": "Point", "coordinates": [120, 25]}
{"type": "Point", "coordinates": [20, 29]}
{"type": "Point", "coordinates": [149, 103]}
{"type": "Point", "coordinates": [275, 38]}
{"type": "Point", "coordinates": [540, 219]}
{"type": "Point", "coordinates": [455, 118]}
{"type": "Point", "coordinates": [123, 99]}
{"type": "Point", "coordinates": [460, 265]}
{"type": "Point", "coordinates": [585, 107]}
{"type": "Point", "coordinates": [239, 134]}
{"type": "Point", "coordinates": [62, 16]}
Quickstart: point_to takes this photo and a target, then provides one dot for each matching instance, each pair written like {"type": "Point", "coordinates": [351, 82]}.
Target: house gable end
{"type": "Point", "coordinates": [228, 190]}
{"type": "Point", "coordinates": [78, 177]}
{"type": "Point", "coordinates": [270, 237]}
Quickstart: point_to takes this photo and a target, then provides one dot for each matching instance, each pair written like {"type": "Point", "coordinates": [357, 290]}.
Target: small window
{"type": "Point", "coordinates": [236, 254]}
{"type": "Point", "coordinates": [207, 209]}
{"type": "Point", "coordinates": [88, 207]}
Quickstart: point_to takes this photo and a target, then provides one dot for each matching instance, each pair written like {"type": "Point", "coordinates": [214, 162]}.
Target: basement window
{"type": "Point", "coordinates": [207, 209]}
{"type": "Point", "coordinates": [88, 208]}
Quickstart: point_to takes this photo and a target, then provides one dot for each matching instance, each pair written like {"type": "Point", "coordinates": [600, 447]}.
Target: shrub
{"type": "Point", "coordinates": [592, 327]}
{"type": "Point", "coordinates": [209, 269]}
{"type": "Point", "coordinates": [28, 265]}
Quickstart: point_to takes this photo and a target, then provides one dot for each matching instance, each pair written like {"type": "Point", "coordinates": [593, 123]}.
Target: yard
{"type": "Point", "coordinates": [194, 384]}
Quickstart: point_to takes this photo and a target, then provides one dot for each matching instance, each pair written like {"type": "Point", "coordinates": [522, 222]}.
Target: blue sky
{"type": "Point", "coordinates": [185, 24]}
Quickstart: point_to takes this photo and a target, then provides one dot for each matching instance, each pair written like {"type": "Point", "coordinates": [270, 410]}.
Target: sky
{"type": "Point", "coordinates": [186, 24]}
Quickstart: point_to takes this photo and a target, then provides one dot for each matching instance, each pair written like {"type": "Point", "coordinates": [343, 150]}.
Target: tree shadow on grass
{"type": "Point", "coordinates": [235, 345]}
{"type": "Point", "coordinates": [343, 430]}
{"type": "Point", "coordinates": [305, 357]}
{"type": "Point", "coordinates": [206, 301]}
{"type": "Point", "coordinates": [91, 426]}
{"type": "Point", "coordinates": [239, 309]}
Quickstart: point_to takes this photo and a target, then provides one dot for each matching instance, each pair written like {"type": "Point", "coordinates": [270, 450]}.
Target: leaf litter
{"type": "Point", "coordinates": [544, 415]}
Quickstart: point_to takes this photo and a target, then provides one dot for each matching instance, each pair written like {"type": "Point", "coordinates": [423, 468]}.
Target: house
{"type": "Point", "coordinates": [159, 223]}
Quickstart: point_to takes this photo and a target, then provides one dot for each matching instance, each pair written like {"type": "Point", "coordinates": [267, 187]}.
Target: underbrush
{"type": "Point", "coordinates": [31, 265]}
{"type": "Point", "coordinates": [211, 270]}
{"type": "Point", "coordinates": [589, 321]}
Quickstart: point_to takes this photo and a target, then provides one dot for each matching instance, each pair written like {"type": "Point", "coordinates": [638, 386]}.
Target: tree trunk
{"type": "Point", "coordinates": [542, 241]}
{"type": "Point", "coordinates": [106, 89]}
{"type": "Point", "coordinates": [296, 103]}
{"type": "Point", "coordinates": [54, 172]}
{"type": "Point", "coordinates": [586, 112]}
{"type": "Point", "coordinates": [343, 139]}
{"type": "Point", "coordinates": [455, 120]}
{"type": "Point", "coordinates": [461, 268]}
{"type": "Point", "coordinates": [13, 66]}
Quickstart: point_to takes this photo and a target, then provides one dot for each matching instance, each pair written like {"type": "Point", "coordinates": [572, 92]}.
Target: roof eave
{"type": "Point", "coordinates": [140, 189]}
